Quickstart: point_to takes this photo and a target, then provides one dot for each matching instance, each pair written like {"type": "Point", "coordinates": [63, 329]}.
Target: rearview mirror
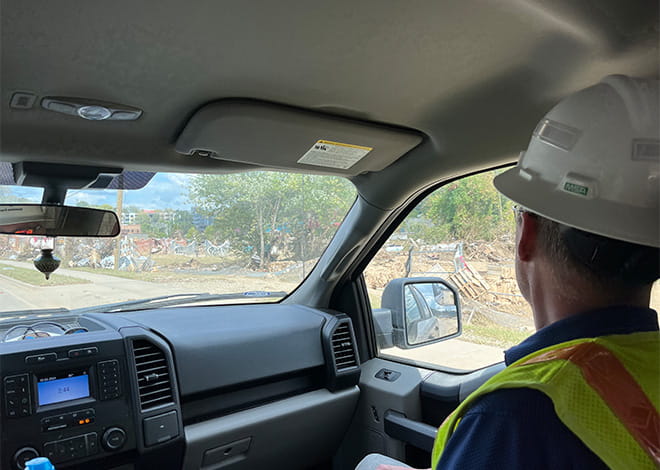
{"type": "Point", "coordinates": [57, 221]}
{"type": "Point", "coordinates": [424, 311]}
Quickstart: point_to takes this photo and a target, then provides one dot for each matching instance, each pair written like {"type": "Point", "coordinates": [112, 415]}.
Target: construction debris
{"type": "Point", "coordinates": [483, 273]}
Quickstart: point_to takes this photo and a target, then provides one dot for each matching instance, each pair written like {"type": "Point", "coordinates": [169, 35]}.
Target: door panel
{"type": "Point", "coordinates": [441, 392]}
{"type": "Point", "coordinates": [400, 394]}
{"type": "Point", "coordinates": [400, 408]}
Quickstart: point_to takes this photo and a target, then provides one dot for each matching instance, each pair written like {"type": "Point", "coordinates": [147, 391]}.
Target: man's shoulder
{"type": "Point", "coordinates": [520, 402]}
{"type": "Point", "coordinates": [515, 428]}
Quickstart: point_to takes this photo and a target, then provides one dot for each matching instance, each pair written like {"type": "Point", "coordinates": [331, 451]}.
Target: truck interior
{"type": "Point", "coordinates": [390, 100]}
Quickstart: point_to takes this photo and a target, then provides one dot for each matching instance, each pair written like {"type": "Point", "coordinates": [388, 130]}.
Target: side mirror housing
{"type": "Point", "coordinates": [424, 310]}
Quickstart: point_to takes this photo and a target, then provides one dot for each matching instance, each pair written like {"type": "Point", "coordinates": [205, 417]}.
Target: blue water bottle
{"type": "Point", "coordinates": [39, 463]}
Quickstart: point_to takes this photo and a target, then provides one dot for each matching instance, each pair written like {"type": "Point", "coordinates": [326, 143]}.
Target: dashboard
{"type": "Point", "coordinates": [202, 387]}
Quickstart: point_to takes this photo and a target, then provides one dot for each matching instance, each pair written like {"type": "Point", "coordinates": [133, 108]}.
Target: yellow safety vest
{"type": "Point", "coordinates": [606, 390]}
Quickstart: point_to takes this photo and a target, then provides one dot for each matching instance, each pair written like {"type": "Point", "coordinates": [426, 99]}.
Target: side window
{"type": "Point", "coordinates": [462, 233]}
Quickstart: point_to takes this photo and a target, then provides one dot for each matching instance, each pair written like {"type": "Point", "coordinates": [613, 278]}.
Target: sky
{"type": "Point", "coordinates": [164, 191]}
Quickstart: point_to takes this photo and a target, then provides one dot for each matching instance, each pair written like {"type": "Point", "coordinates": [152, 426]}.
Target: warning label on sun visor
{"type": "Point", "coordinates": [334, 154]}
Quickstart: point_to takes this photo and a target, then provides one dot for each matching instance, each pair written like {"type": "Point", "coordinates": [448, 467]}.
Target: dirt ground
{"type": "Point", "coordinates": [489, 283]}
{"type": "Point", "coordinates": [492, 261]}
{"type": "Point", "coordinates": [490, 276]}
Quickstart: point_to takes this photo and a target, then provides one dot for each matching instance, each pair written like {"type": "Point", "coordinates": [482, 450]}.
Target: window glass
{"type": "Point", "coordinates": [255, 232]}
{"type": "Point", "coordinates": [463, 233]}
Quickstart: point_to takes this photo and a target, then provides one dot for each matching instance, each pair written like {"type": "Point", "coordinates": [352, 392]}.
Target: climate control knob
{"type": "Point", "coordinates": [24, 455]}
{"type": "Point", "coordinates": [113, 439]}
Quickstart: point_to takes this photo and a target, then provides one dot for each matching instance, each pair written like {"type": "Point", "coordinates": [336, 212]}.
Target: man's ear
{"type": "Point", "coordinates": [527, 237]}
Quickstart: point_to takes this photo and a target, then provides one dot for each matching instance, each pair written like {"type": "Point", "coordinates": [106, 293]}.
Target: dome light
{"type": "Point", "coordinates": [94, 113]}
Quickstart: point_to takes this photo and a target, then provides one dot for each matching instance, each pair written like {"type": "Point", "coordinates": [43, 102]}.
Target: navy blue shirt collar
{"type": "Point", "coordinates": [602, 322]}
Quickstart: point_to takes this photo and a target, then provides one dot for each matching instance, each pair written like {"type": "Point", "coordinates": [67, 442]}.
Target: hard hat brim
{"type": "Point", "coordinates": [633, 224]}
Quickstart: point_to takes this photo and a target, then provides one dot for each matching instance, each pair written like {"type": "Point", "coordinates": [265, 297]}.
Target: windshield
{"type": "Point", "coordinates": [257, 234]}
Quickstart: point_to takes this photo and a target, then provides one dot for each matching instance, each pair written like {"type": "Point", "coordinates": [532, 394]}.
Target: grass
{"type": "Point", "coordinates": [375, 297]}
{"type": "Point", "coordinates": [173, 260]}
{"type": "Point", "coordinates": [493, 335]}
{"type": "Point", "coordinates": [138, 276]}
{"type": "Point", "coordinates": [154, 276]}
{"type": "Point", "coordinates": [36, 278]}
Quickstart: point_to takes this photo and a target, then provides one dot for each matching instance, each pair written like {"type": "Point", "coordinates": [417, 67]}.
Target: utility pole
{"type": "Point", "coordinates": [120, 204]}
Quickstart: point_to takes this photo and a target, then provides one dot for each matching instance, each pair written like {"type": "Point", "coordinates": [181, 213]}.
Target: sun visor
{"type": "Point", "coordinates": [71, 176]}
{"type": "Point", "coordinates": [276, 136]}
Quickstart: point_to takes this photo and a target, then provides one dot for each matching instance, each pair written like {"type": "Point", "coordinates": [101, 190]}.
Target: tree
{"type": "Point", "coordinates": [468, 209]}
{"type": "Point", "coordinates": [151, 224]}
{"type": "Point", "coordinates": [263, 210]}
{"type": "Point", "coordinates": [180, 222]}
{"type": "Point", "coordinates": [320, 205]}
{"type": "Point", "coordinates": [192, 234]}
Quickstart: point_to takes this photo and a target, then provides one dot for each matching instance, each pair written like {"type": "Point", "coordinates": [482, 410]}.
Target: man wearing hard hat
{"type": "Point", "coordinates": [584, 390]}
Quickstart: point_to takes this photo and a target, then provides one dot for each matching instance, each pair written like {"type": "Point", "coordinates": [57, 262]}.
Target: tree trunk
{"type": "Point", "coordinates": [273, 224]}
{"type": "Point", "coordinates": [262, 244]}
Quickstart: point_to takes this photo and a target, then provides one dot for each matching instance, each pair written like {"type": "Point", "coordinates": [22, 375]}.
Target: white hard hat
{"type": "Point", "coordinates": [593, 162]}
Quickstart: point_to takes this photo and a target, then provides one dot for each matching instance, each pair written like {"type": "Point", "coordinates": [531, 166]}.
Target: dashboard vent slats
{"type": "Point", "coordinates": [153, 375]}
{"type": "Point", "coordinates": [343, 348]}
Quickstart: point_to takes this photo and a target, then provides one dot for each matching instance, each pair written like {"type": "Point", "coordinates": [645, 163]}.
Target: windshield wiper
{"type": "Point", "coordinates": [175, 299]}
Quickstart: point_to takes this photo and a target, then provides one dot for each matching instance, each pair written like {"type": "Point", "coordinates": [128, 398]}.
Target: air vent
{"type": "Point", "coordinates": [153, 375]}
{"type": "Point", "coordinates": [342, 347]}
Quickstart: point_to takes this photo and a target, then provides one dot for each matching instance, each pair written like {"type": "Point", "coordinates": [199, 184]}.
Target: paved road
{"type": "Point", "coordinates": [10, 299]}
{"type": "Point", "coordinates": [103, 289]}
{"type": "Point", "coordinates": [454, 353]}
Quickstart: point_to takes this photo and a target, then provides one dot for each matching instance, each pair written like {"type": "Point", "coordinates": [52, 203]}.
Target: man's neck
{"type": "Point", "coordinates": [553, 301]}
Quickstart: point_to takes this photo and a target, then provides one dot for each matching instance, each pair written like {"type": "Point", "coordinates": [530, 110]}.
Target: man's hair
{"type": "Point", "coordinates": [604, 262]}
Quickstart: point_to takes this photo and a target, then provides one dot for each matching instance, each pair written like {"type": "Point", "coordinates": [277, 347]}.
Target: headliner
{"type": "Point", "coordinates": [473, 75]}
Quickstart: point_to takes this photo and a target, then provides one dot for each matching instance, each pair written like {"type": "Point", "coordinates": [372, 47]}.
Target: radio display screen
{"type": "Point", "coordinates": [62, 387]}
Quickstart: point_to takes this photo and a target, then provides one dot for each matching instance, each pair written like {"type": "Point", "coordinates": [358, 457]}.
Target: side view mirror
{"type": "Point", "coordinates": [423, 311]}
{"type": "Point", "coordinates": [57, 221]}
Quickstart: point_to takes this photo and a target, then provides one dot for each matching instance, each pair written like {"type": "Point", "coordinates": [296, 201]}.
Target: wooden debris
{"type": "Point", "coordinates": [469, 283]}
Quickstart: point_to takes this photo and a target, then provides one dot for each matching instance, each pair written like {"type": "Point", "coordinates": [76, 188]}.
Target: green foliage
{"type": "Point", "coordinates": [180, 222]}
{"type": "Point", "coordinates": [211, 233]}
{"type": "Point", "coordinates": [192, 234]}
{"type": "Point", "coordinates": [165, 223]}
{"type": "Point", "coordinates": [493, 335]}
{"type": "Point", "coordinates": [151, 225]}
{"type": "Point", "coordinates": [36, 278]}
{"type": "Point", "coordinates": [273, 214]}
{"type": "Point", "coordinates": [468, 209]}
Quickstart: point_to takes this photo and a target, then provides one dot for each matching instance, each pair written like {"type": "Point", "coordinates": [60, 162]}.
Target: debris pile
{"type": "Point", "coordinates": [483, 272]}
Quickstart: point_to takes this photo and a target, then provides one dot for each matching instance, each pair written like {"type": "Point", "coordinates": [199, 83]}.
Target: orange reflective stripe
{"type": "Point", "coordinates": [603, 371]}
